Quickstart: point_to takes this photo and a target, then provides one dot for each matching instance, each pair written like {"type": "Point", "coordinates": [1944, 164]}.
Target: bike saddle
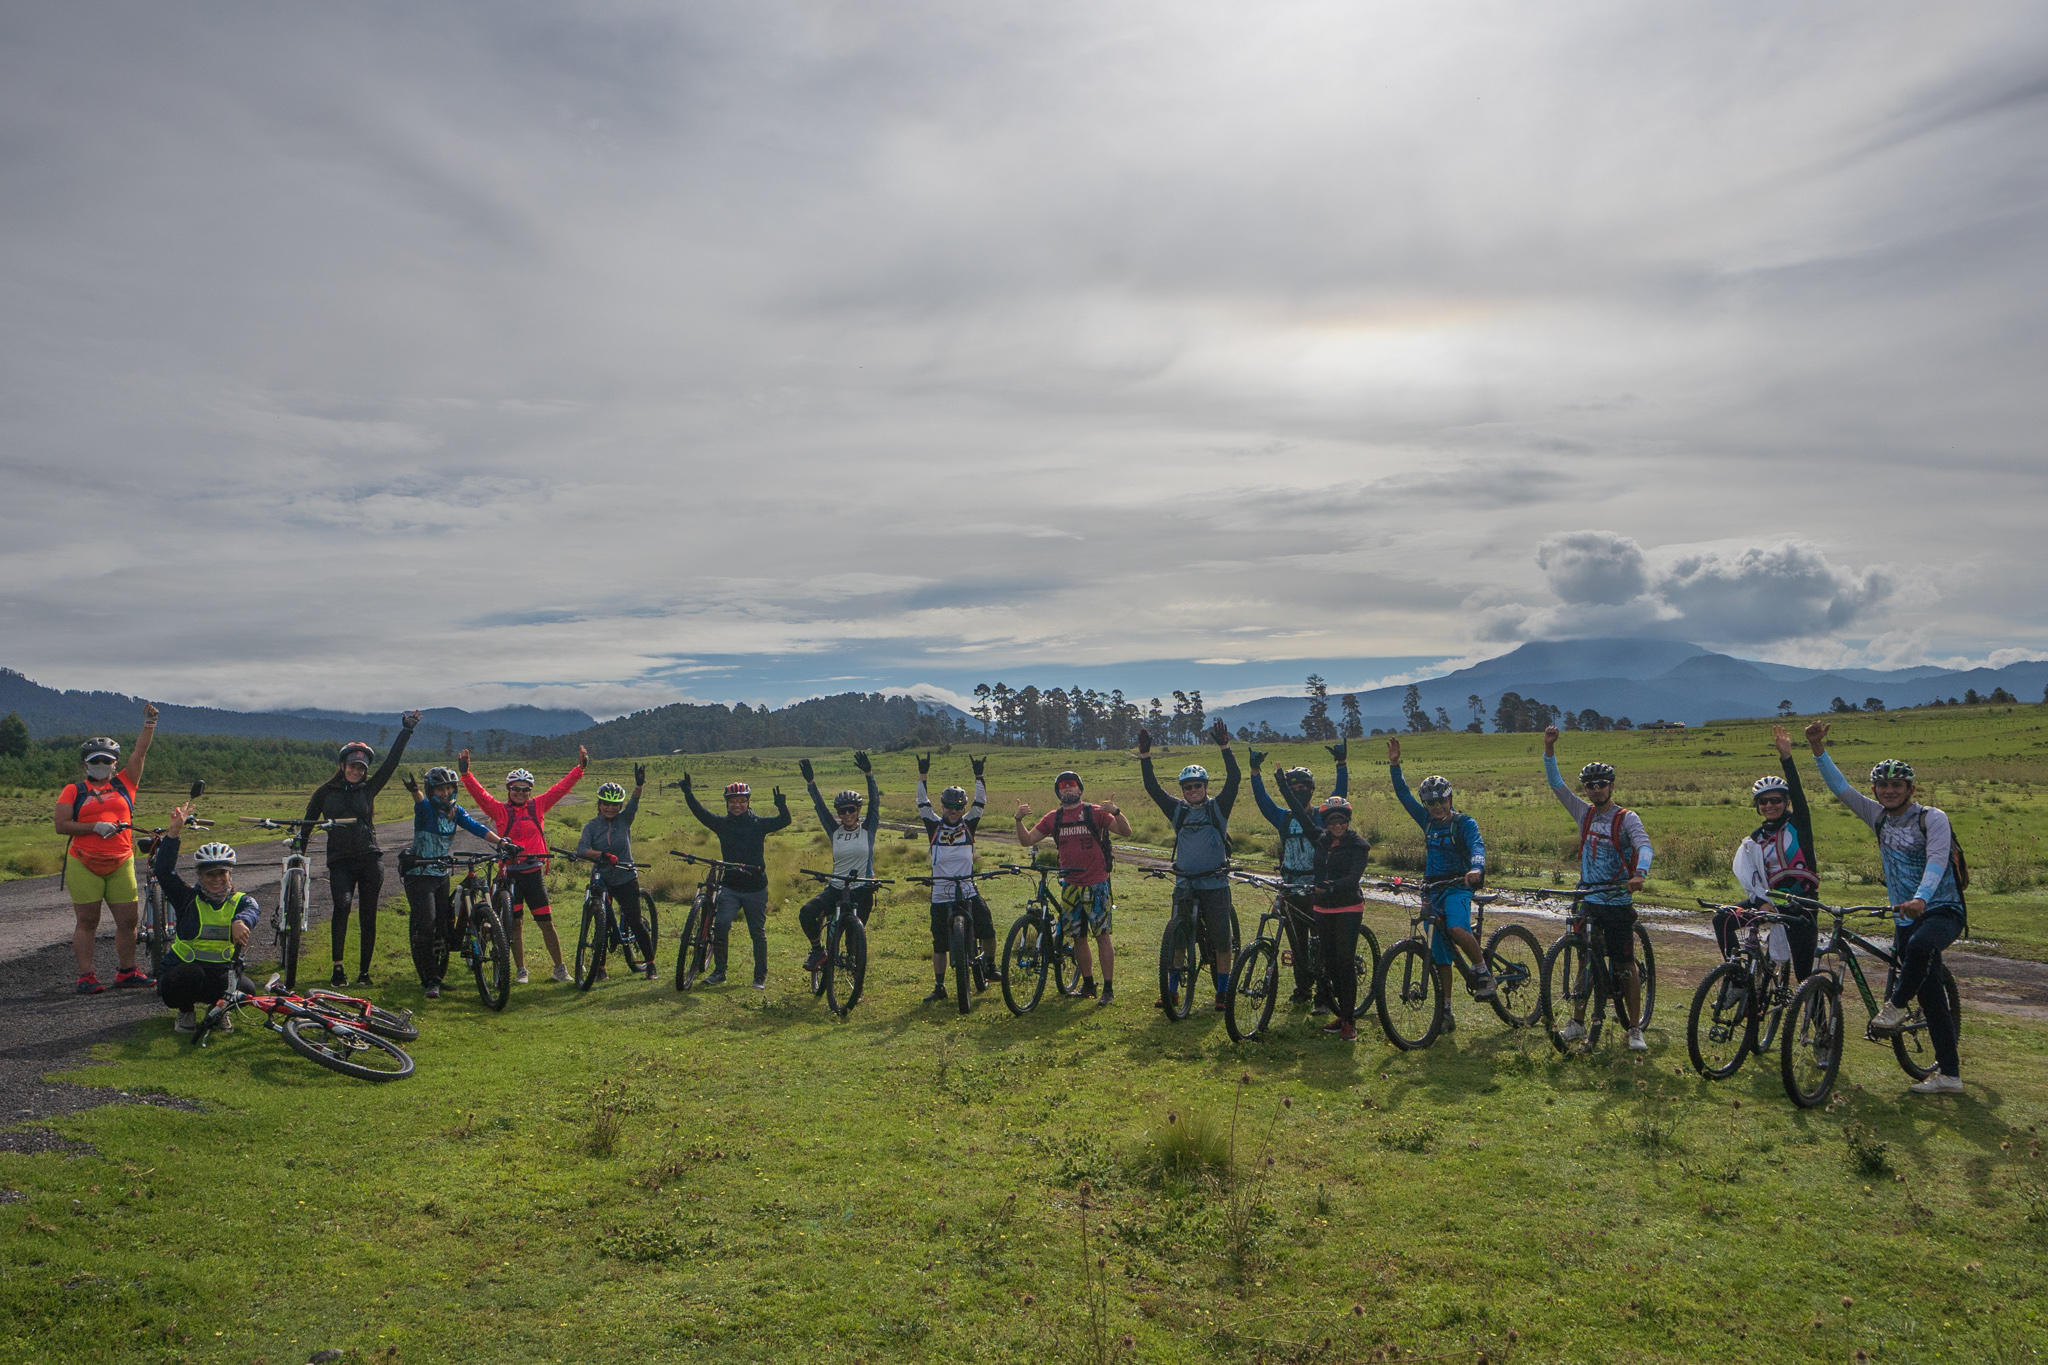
{"type": "Point", "coordinates": [270, 986]}
{"type": "Point", "coordinates": [1485, 897]}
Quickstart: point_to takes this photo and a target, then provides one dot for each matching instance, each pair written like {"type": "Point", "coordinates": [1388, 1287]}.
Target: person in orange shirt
{"type": "Point", "coordinates": [95, 813]}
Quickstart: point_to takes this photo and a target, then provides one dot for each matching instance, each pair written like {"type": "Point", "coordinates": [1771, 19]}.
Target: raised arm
{"type": "Point", "coordinates": [1406, 797]}
{"type": "Point", "coordinates": [1268, 807]}
{"type": "Point", "coordinates": [142, 743]}
{"type": "Point", "coordinates": [389, 766]}
{"type": "Point", "coordinates": [1566, 797]}
{"type": "Point", "coordinates": [781, 818]}
{"type": "Point", "coordinates": [1167, 804]}
{"type": "Point", "coordinates": [1802, 814]}
{"type": "Point", "coordinates": [547, 799]}
{"type": "Point", "coordinates": [1867, 810]}
{"type": "Point", "coordinates": [1232, 774]}
{"type": "Point", "coordinates": [487, 803]}
{"type": "Point", "coordinates": [704, 817]}
{"type": "Point", "coordinates": [874, 816]}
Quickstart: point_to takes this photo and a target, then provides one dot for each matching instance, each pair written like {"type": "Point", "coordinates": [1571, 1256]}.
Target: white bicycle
{"type": "Point", "coordinates": [288, 922]}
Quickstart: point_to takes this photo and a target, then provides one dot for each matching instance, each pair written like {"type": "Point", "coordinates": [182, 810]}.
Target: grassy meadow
{"type": "Point", "coordinates": [636, 1175]}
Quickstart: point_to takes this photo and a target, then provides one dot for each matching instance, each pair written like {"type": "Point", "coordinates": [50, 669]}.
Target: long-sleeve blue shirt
{"type": "Point", "coordinates": [1297, 845]}
{"type": "Point", "coordinates": [1452, 847]}
{"type": "Point", "coordinates": [433, 835]}
{"type": "Point", "coordinates": [1914, 844]}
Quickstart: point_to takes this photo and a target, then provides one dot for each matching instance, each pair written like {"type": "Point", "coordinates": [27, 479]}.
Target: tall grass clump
{"type": "Point", "coordinates": [1187, 1147]}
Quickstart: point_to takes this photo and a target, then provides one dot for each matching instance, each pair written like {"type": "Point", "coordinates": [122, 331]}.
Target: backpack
{"type": "Point", "coordinates": [1101, 831]}
{"type": "Point", "coordinates": [84, 793]}
{"type": "Point", "coordinates": [1613, 836]}
{"type": "Point", "coordinates": [512, 818]}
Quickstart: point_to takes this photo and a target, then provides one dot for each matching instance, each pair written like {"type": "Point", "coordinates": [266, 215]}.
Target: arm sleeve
{"type": "Point", "coordinates": [980, 800]}
{"type": "Point", "coordinates": [1565, 796]}
{"type": "Point", "coordinates": [390, 763]}
{"type": "Point", "coordinates": [473, 825]}
{"type": "Point", "coordinates": [583, 840]}
{"type": "Point", "coordinates": [487, 803]}
{"type": "Point", "coordinates": [924, 800]}
{"type": "Point", "coordinates": [165, 863]}
{"type": "Point", "coordinates": [1299, 805]}
{"type": "Point", "coordinates": [1475, 842]}
{"type": "Point", "coordinates": [313, 802]}
{"type": "Point", "coordinates": [632, 809]}
{"type": "Point", "coordinates": [818, 805]}
{"type": "Point", "coordinates": [779, 820]}
{"type": "Point", "coordinates": [1407, 798]}
{"type": "Point", "coordinates": [1232, 776]}
{"type": "Point", "coordinates": [1167, 804]}
{"type": "Point", "coordinates": [248, 912]}
{"type": "Point", "coordinates": [874, 820]}
{"type": "Point", "coordinates": [704, 817]}
{"type": "Point", "coordinates": [547, 799]}
{"type": "Point", "coordinates": [1343, 787]}
{"type": "Point", "coordinates": [1866, 809]}
{"type": "Point", "coordinates": [1632, 826]}
{"type": "Point", "coordinates": [1802, 814]}
{"type": "Point", "coordinates": [1940, 841]}
{"type": "Point", "coordinates": [1269, 808]}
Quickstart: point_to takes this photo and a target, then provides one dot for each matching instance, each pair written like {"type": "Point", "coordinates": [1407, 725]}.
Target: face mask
{"type": "Point", "coordinates": [99, 772]}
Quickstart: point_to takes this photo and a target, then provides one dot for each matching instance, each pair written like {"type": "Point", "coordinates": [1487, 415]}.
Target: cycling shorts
{"type": "Point", "coordinates": [1457, 908]}
{"type": "Point", "coordinates": [529, 889]}
{"type": "Point", "coordinates": [942, 923]}
{"type": "Point", "coordinates": [1613, 928]}
{"type": "Point", "coordinates": [87, 887]}
{"type": "Point", "coordinates": [1213, 916]}
{"type": "Point", "coordinates": [1086, 909]}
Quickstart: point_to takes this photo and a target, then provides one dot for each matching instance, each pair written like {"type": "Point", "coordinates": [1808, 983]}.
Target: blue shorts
{"type": "Point", "coordinates": [1086, 909]}
{"type": "Point", "coordinates": [1457, 907]}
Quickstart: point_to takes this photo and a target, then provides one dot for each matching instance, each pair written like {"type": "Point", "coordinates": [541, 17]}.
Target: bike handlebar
{"type": "Point", "coordinates": [713, 862]}
{"type": "Point", "coordinates": [972, 877]}
{"type": "Point", "coordinates": [1224, 871]}
{"type": "Point", "coordinates": [1023, 871]}
{"type": "Point", "coordinates": [266, 822]}
{"type": "Point", "coordinates": [846, 879]}
{"type": "Point", "coordinates": [1577, 893]}
{"type": "Point", "coordinates": [1838, 911]}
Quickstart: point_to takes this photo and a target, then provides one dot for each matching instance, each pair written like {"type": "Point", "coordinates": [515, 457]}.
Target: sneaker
{"type": "Point", "coordinates": [362, 978]}
{"type": "Point", "coordinates": [561, 972]}
{"type": "Point", "coordinates": [650, 971]}
{"type": "Point", "coordinates": [1887, 1020]}
{"type": "Point", "coordinates": [130, 977]}
{"type": "Point", "coordinates": [522, 978]}
{"type": "Point", "coordinates": [1938, 1084]}
{"type": "Point", "coordinates": [815, 960]}
{"type": "Point", "coordinates": [1222, 1004]}
{"type": "Point", "coordinates": [1334, 1027]}
{"type": "Point", "coordinates": [601, 975]}
{"type": "Point", "coordinates": [1302, 995]}
{"type": "Point", "coordinates": [1321, 1010]}
{"type": "Point", "coordinates": [1450, 1025]}
{"type": "Point", "coordinates": [434, 991]}
{"type": "Point", "coordinates": [1348, 1031]}
{"type": "Point", "coordinates": [1086, 991]}
{"type": "Point", "coordinates": [716, 978]}
{"type": "Point", "coordinates": [762, 984]}
{"type": "Point", "coordinates": [1635, 1041]}
{"type": "Point", "coordinates": [186, 1023]}
{"type": "Point", "coordinates": [989, 971]}
{"type": "Point", "coordinates": [89, 984]}
{"type": "Point", "coordinates": [1484, 987]}
{"type": "Point", "coordinates": [1108, 994]}
{"type": "Point", "coordinates": [939, 995]}
{"type": "Point", "coordinates": [1573, 1032]}
{"type": "Point", "coordinates": [226, 1024]}
{"type": "Point", "coordinates": [340, 977]}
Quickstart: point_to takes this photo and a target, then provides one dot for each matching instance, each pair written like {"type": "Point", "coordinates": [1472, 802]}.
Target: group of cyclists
{"type": "Point", "coordinates": [1322, 862]}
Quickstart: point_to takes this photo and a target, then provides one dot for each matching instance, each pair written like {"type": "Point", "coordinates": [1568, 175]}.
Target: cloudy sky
{"type": "Point", "coordinates": [608, 354]}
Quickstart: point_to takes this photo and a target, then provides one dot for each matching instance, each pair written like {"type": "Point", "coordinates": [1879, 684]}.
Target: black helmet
{"type": "Point", "coordinates": [360, 751]}
{"type": "Point", "coordinates": [440, 777]}
{"type": "Point", "coordinates": [1596, 772]}
{"type": "Point", "coordinates": [848, 800]}
{"type": "Point", "coordinates": [1299, 777]}
{"type": "Point", "coordinates": [954, 798]}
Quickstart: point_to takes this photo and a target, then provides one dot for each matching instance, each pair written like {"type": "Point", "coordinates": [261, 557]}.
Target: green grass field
{"type": "Point", "coordinates": [636, 1175]}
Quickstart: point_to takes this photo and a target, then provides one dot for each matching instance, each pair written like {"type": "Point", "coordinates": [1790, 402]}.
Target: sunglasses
{"type": "Point", "coordinates": [1599, 784]}
{"type": "Point", "coordinates": [1770, 800]}
{"type": "Point", "coordinates": [520, 791]}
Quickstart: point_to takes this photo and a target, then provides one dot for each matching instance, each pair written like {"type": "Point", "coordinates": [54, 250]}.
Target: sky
{"type": "Point", "coordinates": [611, 354]}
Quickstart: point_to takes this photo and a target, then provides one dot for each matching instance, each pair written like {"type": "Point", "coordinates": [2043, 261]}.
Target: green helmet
{"type": "Point", "coordinates": [1892, 769]}
{"type": "Point", "coordinates": [612, 792]}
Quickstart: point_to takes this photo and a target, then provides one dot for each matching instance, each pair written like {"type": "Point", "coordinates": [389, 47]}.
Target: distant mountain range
{"type": "Point", "coordinates": [48, 711]}
{"type": "Point", "coordinates": [1647, 680]}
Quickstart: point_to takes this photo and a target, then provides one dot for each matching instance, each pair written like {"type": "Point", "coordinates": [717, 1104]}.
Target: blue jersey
{"type": "Point", "coordinates": [1297, 845]}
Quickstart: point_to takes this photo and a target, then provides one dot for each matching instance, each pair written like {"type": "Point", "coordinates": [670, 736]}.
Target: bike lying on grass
{"type": "Point", "coordinates": [341, 1033]}
{"type": "Point", "coordinates": [840, 968]}
{"type": "Point", "coordinates": [1412, 1008]}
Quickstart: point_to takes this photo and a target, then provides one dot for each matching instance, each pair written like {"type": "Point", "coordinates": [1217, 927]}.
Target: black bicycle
{"type": "Point", "coordinates": [1037, 945]}
{"type": "Point", "coordinates": [970, 968]}
{"type": "Point", "coordinates": [156, 931]}
{"type": "Point", "coordinates": [1737, 1007]}
{"type": "Point", "coordinates": [1413, 1011]}
{"type": "Point", "coordinates": [604, 929]}
{"type": "Point", "coordinates": [479, 928]}
{"type": "Point", "coordinates": [701, 925]}
{"type": "Point", "coordinates": [1185, 946]}
{"type": "Point", "coordinates": [1810, 1043]}
{"type": "Point", "coordinates": [841, 968]}
{"type": "Point", "coordinates": [1578, 985]}
{"type": "Point", "coordinates": [1255, 981]}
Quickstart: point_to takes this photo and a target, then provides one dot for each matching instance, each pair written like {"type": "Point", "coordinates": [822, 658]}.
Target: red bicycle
{"type": "Point", "coordinates": [334, 1030]}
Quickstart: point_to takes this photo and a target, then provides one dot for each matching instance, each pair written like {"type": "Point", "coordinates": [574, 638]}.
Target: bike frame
{"type": "Point", "coordinates": [297, 871]}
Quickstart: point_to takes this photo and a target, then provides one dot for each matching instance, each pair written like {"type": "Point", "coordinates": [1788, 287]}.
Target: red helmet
{"type": "Point", "coordinates": [1335, 805]}
{"type": "Point", "coordinates": [737, 789]}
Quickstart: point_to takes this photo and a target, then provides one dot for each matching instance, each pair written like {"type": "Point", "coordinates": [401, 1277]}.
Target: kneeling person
{"type": "Point", "coordinates": [213, 921]}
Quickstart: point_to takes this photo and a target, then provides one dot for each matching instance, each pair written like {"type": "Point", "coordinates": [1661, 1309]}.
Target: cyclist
{"type": "Point", "coordinates": [99, 864]}
{"type": "Point", "coordinates": [853, 852]}
{"type": "Point", "coordinates": [1917, 845]}
{"type": "Point", "coordinates": [609, 838]}
{"type": "Point", "coordinates": [951, 836]}
{"type": "Point", "coordinates": [1080, 832]}
{"type": "Point", "coordinates": [1336, 901]}
{"type": "Point", "coordinates": [518, 820]}
{"type": "Point", "coordinates": [1201, 831]}
{"type": "Point", "coordinates": [1298, 851]}
{"type": "Point", "coordinates": [742, 838]}
{"type": "Point", "coordinates": [1778, 855]}
{"type": "Point", "coordinates": [425, 871]}
{"type": "Point", "coordinates": [1453, 848]}
{"type": "Point", "coordinates": [354, 861]}
{"type": "Point", "coordinates": [1613, 848]}
{"type": "Point", "coordinates": [213, 920]}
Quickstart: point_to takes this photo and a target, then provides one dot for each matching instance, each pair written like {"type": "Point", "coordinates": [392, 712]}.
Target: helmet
{"type": "Point", "coordinates": [100, 748]}
{"type": "Point", "coordinates": [519, 775]}
{"type": "Point", "coordinates": [733, 789]}
{"type": "Point", "coordinates": [440, 777]}
{"type": "Point", "coordinates": [1194, 772]}
{"type": "Point", "coordinates": [1893, 769]}
{"type": "Point", "coordinates": [1299, 777]}
{"type": "Point", "coordinates": [612, 792]}
{"type": "Point", "coordinates": [848, 800]}
{"type": "Point", "coordinates": [362, 753]}
{"type": "Point", "coordinates": [214, 855]}
{"type": "Point", "coordinates": [1596, 772]}
{"type": "Point", "coordinates": [1334, 805]}
{"type": "Point", "coordinates": [954, 798]}
{"type": "Point", "coordinates": [1068, 776]}
{"type": "Point", "coordinates": [1435, 789]}
{"type": "Point", "coordinates": [1771, 785]}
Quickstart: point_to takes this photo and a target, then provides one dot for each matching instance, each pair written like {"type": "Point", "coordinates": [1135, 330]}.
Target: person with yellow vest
{"type": "Point", "coordinates": [214, 920]}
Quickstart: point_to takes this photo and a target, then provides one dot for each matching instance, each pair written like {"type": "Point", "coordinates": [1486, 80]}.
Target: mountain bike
{"type": "Point", "coordinates": [1810, 1043]}
{"type": "Point", "coordinates": [962, 949]}
{"type": "Point", "coordinates": [289, 922]}
{"type": "Point", "coordinates": [1037, 945]}
{"type": "Point", "coordinates": [321, 1034]}
{"type": "Point", "coordinates": [1412, 1009]}
{"type": "Point", "coordinates": [701, 925]}
{"type": "Point", "coordinates": [1255, 975]}
{"type": "Point", "coordinates": [1738, 1006]}
{"type": "Point", "coordinates": [157, 929]}
{"type": "Point", "coordinates": [1577, 982]}
{"type": "Point", "coordinates": [1185, 946]}
{"type": "Point", "coordinates": [842, 965]}
{"type": "Point", "coordinates": [480, 905]}
{"type": "Point", "coordinates": [603, 928]}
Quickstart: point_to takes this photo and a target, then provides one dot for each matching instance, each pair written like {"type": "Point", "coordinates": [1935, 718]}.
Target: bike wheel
{"type": "Point", "coordinates": [1646, 966]}
{"type": "Point", "coordinates": [1516, 961]}
{"type": "Point", "coordinates": [1178, 969]}
{"type": "Point", "coordinates": [1810, 1046]}
{"type": "Point", "coordinates": [1410, 1009]}
{"type": "Point", "coordinates": [638, 961]}
{"type": "Point", "coordinates": [961, 948]}
{"type": "Point", "coordinates": [1026, 950]}
{"type": "Point", "coordinates": [490, 957]}
{"type": "Point", "coordinates": [158, 930]}
{"type": "Point", "coordinates": [592, 940]}
{"type": "Point", "coordinates": [1913, 1045]}
{"type": "Point", "coordinates": [291, 919]}
{"type": "Point", "coordinates": [349, 1010]}
{"type": "Point", "coordinates": [1720, 1029]}
{"type": "Point", "coordinates": [690, 952]}
{"type": "Point", "coordinates": [1773, 994]}
{"type": "Point", "coordinates": [351, 1051]}
{"type": "Point", "coordinates": [1571, 984]}
{"type": "Point", "coordinates": [846, 966]}
{"type": "Point", "coordinates": [1254, 987]}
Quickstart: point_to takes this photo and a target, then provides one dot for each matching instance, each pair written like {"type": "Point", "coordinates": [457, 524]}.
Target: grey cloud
{"type": "Point", "coordinates": [1594, 567]}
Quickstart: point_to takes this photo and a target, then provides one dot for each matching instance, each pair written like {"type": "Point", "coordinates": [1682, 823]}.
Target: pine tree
{"type": "Point", "coordinates": [1354, 723]}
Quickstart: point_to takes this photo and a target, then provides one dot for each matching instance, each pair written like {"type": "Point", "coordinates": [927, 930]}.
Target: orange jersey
{"type": "Point", "coordinates": [109, 801]}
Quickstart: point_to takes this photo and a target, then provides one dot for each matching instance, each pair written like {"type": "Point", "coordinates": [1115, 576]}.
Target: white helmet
{"type": "Point", "coordinates": [214, 855]}
{"type": "Point", "coordinates": [1772, 785]}
{"type": "Point", "coordinates": [519, 775]}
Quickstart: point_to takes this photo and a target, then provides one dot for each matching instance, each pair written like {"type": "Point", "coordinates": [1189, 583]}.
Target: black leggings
{"type": "Point", "coordinates": [432, 904]}
{"type": "Point", "coordinates": [821, 907]}
{"type": "Point", "coordinates": [626, 906]}
{"type": "Point", "coordinates": [1917, 947]}
{"type": "Point", "coordinates": [366, 880]}
{"type": "Point", "coordinates": [1337, 933]}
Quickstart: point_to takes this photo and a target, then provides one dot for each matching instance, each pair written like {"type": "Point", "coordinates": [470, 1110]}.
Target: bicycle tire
{"type": "Point", "coordinates": [846, 966]}
{"type": "Point", "coordinates": [155, 927]}
{"type": "Point", "coordinates": [1179, 971]}
{"type": "Point", "coordinates": [335, 1046]}
{"type": "Point", "coordinates": [492, 966]}
{"type": "Point", "coordinates": [291, 918]}
{"type": "Point", "coordinates": [1646, 967]}
{"type": "Point", "coordinates": [1774, 993]}
{"type": "Point", "coordinates": [1810, 1043]}
{"type": "Point", "coordinates": [637, 962]}
{"type": "Point", "coordinates": [1726, 1001]}
{"type": "Point", "coordinates": [690, 952]}
{"type": "Point", "coordinates": [1569, 980]}
{"type": "Point", "coordinates": [592, 938]}
{"type": "Point", "coordinates": [961, 946]}
{"type": "Point", "coordinates": [1366, 964]}
{"type": "Point", "coordinates": [378, 1020]}
{"type": "Point", "coordinates": [1913, 1045]}
{"type": "Point", "coordinates": [1411, 1010]}
{"type": "Point", "coordinates": [1254, 987]}
{"type": "Point", "coordinates": [1026, 949]}
{"type": "Point", "coordinates": [1516, 960]}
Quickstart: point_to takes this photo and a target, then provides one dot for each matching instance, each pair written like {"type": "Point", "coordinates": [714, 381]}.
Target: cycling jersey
{"type": "Point", "coordinates": [1451, 848]}
{"type": "Point", "coordinates": [339, 799]}
{"type": "Point", "coordinates": [853, 850]}
{"type": "Point", "coordinates": [1601, 858]}
{"type": "Point", "coordinates": [1914, 844]}
{"type": "Point", "coordinates": [742, 839]}
{"type": "Point", "coordinates": [522, 824]}
{"type": "Point", "coordinates": [1779, 854]}
{"type": "Point", "coordinates": [1201, 833]}
{"type": "Point", "coordinates": [614, 835]}
{"type": "Point", "coordinates": [112, 802]}
{"type": "Point", "coordinates": [433, 834]}
{"type": "Point", "coordinates": [1297, 844]}
{"type": "Point", "coordinates": [952, 844]}
{"type": "Point", "coordinates": [1077, 841]}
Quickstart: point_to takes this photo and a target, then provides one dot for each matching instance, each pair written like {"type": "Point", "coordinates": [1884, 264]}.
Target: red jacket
{"type": "Point", "coordinates": [526, 830]}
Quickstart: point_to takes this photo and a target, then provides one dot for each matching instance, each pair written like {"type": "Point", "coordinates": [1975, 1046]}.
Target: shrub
{"type": "Point", "coordinates": [1187, 1145]}
{"type": "Point", "coordinates": [2008, 866]}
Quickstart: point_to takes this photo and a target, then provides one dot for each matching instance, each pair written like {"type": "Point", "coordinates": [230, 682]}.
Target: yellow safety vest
{"type": "Point", "coordinates": [216, 941]}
